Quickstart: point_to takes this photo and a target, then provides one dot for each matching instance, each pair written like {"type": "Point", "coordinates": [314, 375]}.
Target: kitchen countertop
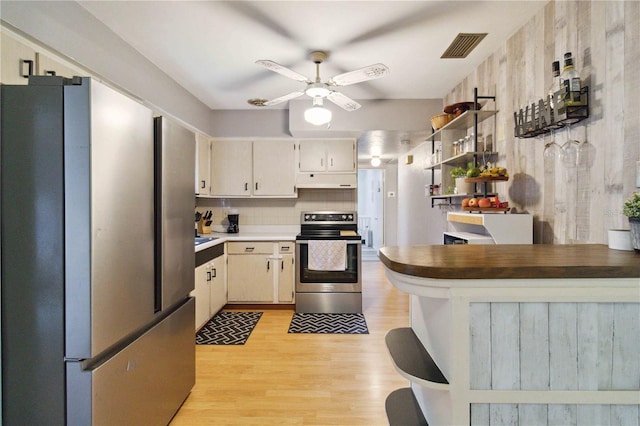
{"type": "Point", "coordinates": [249, 235]}
{"type": "Point", "coordinates": [511, 261]}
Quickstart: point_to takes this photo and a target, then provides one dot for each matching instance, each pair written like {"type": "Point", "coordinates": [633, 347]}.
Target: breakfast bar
{"type": "Point", "coordinates": [516, 334]}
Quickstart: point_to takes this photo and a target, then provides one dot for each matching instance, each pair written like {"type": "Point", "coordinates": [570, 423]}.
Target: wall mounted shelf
{"type": "Point", "coordinates": [540, 117]}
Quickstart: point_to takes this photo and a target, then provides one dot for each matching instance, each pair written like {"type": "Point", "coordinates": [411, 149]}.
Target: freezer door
{"type": "Point", "coordinates": [175, 201]}
{"type": "Point", "coordinates": [109, 226]}
{"type": "Point", "coordinates": [144, 384]}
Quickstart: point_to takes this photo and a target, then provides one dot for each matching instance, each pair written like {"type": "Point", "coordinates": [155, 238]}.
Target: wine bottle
{"type": "Point", "coordinates": [555, 84]}
{"type": "Point", "coordinates": [571, 82]}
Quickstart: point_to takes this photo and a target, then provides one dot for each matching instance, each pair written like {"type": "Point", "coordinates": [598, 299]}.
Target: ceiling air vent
{"type": "Point", "coordinates": [462, 45]}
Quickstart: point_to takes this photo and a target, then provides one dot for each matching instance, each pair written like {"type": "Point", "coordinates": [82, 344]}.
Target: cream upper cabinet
{"type": "Point", "coordinates": [274, 171]}
{"type": "Point", "coordinates": [327, 155]}
{"type": "Point", "coordinates": [253, 168]}
{"type": "Point", "coordinates": [231, 167]}
{"type": "Point", "coordinates": [203, 166]}
{"type": "Point", "coordinates": [13, 53]}
{"type": "Point", "coordinates": [21, 59]}
{"type": "Point", "coordinates": [48, 65]}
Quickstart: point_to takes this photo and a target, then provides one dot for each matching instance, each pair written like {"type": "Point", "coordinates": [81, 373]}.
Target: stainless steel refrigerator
{"type": "Point", "coordinates": [97, 257]}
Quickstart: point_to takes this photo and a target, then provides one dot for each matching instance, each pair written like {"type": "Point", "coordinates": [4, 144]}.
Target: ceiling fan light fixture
{"type": "Point", "coordinates": [317, 114]}
{"type": "Point", "coordinates": [317, 90]}
{"type": "Point", "coordinates": [375, 161]}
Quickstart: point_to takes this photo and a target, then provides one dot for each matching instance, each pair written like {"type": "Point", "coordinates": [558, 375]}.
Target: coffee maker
{"type": "Point", "coordinates": [232, 217]}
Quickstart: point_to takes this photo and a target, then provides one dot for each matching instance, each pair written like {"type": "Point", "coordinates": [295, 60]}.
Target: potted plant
{"type": "Point", "coordinates": [631, 209]}
{"type": "Point", "coordinates": [461, 187]}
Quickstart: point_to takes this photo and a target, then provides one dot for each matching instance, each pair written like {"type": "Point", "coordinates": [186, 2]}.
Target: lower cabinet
{"type": "Point", "coordinates": [210, 289]}
{"type": "Point", "coordinates": [260, 272]}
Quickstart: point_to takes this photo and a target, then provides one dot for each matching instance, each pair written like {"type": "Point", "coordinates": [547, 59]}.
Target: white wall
{"type": "Point", "coordinates": [418, 222]}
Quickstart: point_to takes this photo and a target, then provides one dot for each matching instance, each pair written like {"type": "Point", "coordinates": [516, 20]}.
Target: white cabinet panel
{"type": "Point", "coordinates": [13, 51]}
{"type": "Point", "coordinates": [218, 287]}
{"type": "Point", "coordinates": [274, 168]}
{"type": "Point", "coordinates": [250, 278]}
{"type": "Point", "coordinates": [330, 155]}
{"type": "Point", "coordinates": [203, 165]}
{"type": "Point", "coordinates": [231, 173]}
{"type": "Point", "coordinates": [201, 294]}
{"type": "Point", "coordinates": [341, 155]}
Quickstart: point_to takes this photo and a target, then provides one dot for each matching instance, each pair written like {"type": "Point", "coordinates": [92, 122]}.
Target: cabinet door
{"type": "Point", "coordinates": [50, 66]}
{"type": "Point", "coordinates": [286, 277]}
{"type": "Point", "coordinates": [313, 155]}
{"type": "Point", "coordinates": [341, 155]}
{"type": "Point", "coordinates": [201, 294]}
{"type": "Point", "coordinates": [203, 171]}
{"type": "Point", "coordinates": [274, 167]}
{"type": "Point", "coordinates": [218, 285]}
{"type": "Point", "coordinates": [231, 173]}
{"type": "Point", "coordinates": [250, 278]}
{"type": "Point", "coordinates": [13, 51]}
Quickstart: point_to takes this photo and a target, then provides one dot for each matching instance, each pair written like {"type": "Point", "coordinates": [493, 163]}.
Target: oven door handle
{"type": "Point", "coordinates": [348, 241]}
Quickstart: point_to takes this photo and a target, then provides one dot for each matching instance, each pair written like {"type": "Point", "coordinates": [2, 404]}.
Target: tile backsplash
{"type": "Point", "coordinates": [279, 211]}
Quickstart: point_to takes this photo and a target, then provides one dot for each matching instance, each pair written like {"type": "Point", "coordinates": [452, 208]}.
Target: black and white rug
{"type": "Point", "coordinates": [228, 328]}
{"type": "Point", "coordinates": [315, 323]}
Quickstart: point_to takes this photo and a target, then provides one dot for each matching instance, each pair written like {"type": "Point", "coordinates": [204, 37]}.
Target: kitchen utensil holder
{"type": "Point", "coordinates": [203, 228]}
{"type": "Point", "coordinates": [541, 117]}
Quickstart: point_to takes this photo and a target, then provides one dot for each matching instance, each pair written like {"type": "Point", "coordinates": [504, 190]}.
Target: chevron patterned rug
{"type": "Point", "coordinates": [314, 323]}
{"type": "Point", "coordinates": [228, 328]}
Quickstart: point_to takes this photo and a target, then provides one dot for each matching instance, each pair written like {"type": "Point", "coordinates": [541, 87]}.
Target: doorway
{"type": "Point", "coordinates": [371, 211]}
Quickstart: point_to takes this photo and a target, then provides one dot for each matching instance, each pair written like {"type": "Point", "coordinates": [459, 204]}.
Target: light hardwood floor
{"type": "Point", "coordinates": [278, 378]}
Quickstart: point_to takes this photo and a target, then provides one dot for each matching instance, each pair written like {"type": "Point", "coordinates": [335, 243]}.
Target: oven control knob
{"type": "Point", "coordinates": [350, 217]}
{"type": "Point", "coordinates": [344, 216]}
{"type": "Point", "coordinates": [313, 217]}
{"type": "Point", "coordinates": [306, 217]}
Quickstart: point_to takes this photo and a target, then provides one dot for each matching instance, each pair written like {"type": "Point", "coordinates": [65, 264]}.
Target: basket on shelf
{"type": "Point", "coordinates": [440, 120]}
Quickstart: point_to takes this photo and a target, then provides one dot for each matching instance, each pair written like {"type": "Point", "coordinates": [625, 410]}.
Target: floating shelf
{"type": "Point", "coordinates": [485, 179]}
{"type": "Point", "coordinates": [486, 209]}
{"type": "Point", "coordinates": [451, 197]}
{"type": "Point", "coordinates": [403, 410]}
{"type": "Point", "coordinates": [412, 360]}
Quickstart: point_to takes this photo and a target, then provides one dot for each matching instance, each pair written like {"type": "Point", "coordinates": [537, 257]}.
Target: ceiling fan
{"type": "Point", "coordinates": [319, 90]}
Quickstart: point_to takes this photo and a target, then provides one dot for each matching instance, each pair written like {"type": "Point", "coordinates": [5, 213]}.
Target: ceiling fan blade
{"type": "Point", "coordinates": [343, 101]}
{"type": "Point", "coordinates": [363, 74]}
{"type": "Point", "coordinates": [273, 66]}
{"type": "Point", "coordinates": [284, 98]}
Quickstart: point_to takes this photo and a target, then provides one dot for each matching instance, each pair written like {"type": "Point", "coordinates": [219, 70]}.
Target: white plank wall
{"type": "Point", "coordinates": [554, 346]}
{"type": "Point", "coordinates": [570, 204]}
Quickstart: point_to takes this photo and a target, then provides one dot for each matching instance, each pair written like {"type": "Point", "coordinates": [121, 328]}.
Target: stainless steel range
{"type": "Point", "coordinates": [328, 263]}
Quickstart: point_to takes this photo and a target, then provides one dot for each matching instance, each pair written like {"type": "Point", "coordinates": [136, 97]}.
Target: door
{"type": "Point", "coordinates": [218, 287]}
{"type": "Point", "coordinates": [286, 278]}
{"type": "Point", "coordinates": [340, 155]}
{"type": "Point", "coordinates": [313, 155]}
{"type": "Point", "coordinates": [274, 167]}
{"type": "Point", "coordinates": [201, 294]}
{"type": "Point", "coordinates": [109, 233]}
{"type": "Point", "coordinates": [13, 52]}
{"type": "Point", "coordinates": [175, 257]}
{"type": "Point", "coordinates": [203, 170]}
{"type": "Point", "coordinates": [250, 277]}
{"type": "Point", "coordinates": [231, 173]}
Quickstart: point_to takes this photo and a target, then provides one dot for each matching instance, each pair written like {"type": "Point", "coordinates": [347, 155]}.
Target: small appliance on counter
{"type": "Point", "coordinates": [233, 219]}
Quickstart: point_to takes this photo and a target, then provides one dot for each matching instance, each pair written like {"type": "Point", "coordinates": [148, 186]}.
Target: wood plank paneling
{"type": "Point", "coordinates": [603, 37]}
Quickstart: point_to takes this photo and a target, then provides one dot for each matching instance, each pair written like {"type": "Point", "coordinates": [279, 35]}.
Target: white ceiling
{"type": "Point", "coordinates": [209, 47]}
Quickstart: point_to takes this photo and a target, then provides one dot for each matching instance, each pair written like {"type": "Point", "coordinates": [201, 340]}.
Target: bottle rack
{"type": "Point", "coordinates": [539, 118]}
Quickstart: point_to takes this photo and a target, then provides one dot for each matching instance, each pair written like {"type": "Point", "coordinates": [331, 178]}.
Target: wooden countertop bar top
{"type": "Point", "coordinates": [511, 261]}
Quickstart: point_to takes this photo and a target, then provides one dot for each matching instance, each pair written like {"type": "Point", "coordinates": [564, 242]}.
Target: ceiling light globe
{"type": "Point", "coordinates": [375, 161]}
{"type": "Point", "coordinates": [317, 115]}
{"type": "Point", "coordinates": [317, 90]}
